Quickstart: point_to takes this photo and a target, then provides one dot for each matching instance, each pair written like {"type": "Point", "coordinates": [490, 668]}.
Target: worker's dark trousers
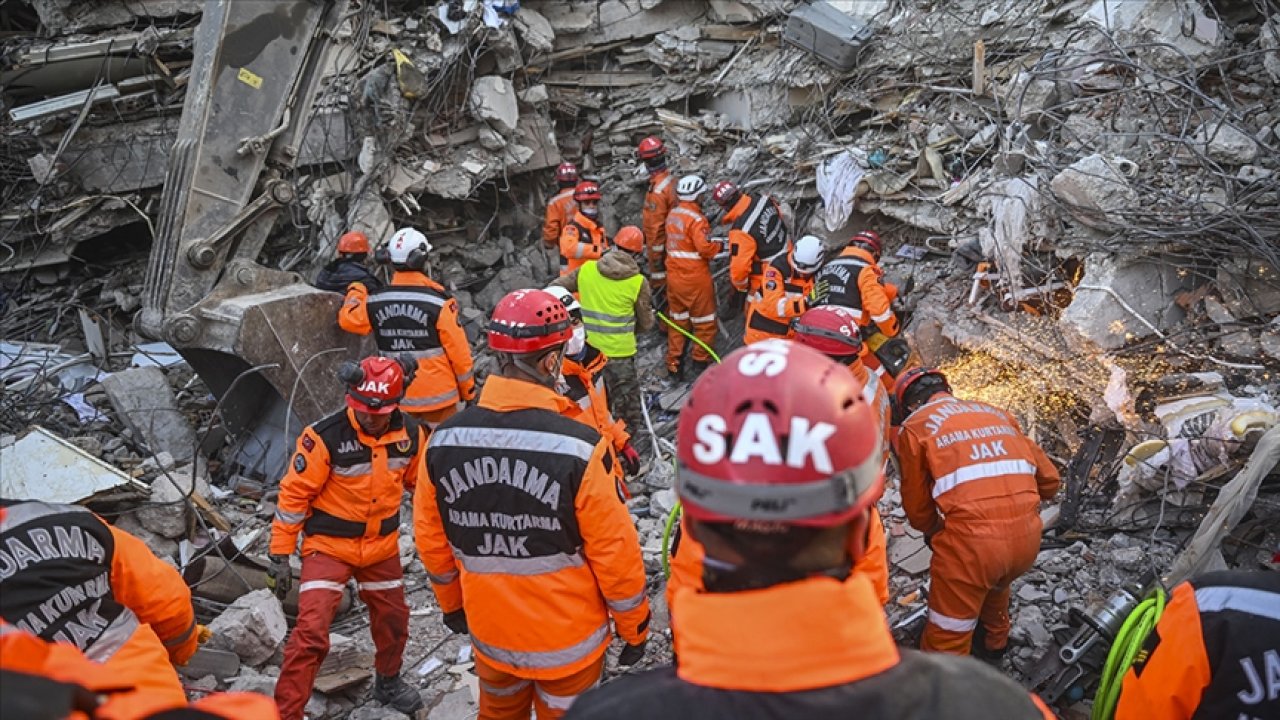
{"type": "Point", "coordinates": [381, 587]}
{"type": "Point", "coordinates": [623, 386]}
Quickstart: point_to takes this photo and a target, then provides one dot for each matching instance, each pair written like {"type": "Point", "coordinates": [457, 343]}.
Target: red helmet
{"type": "Point", "coordinates": [375, 386]}
{"type": "Point", "coordinates": [528, 321]}
{"type": "Point", "coordinates": [630, 238]}
{"type": "Point", "coordinates": [869, 239]}
{"type": "Point", "coordinates": [651, 148]}
{"type": "Point", "coordinates": [353, 243]}
{"type": "Point", "coordinates": [778, 432]}
{"type": "Point", "coordinates": [831, 330]}
{"type": "Point", "coordinates": [586, 190]}
{"type": "Point", "coordinates": [911, 377]}
{"type": "Point", "coordinates": [725, 194]}
{"type": "Point", "coordinates": [567, 173]}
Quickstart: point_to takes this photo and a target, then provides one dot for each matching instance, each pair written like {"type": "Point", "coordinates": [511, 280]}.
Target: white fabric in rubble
{"type": "Point", "coordinates": [1014, 203]}
{"type": "Point", "coordinates": [838, 179]}
{"type": "Point", "coordinates": [1233, 502]}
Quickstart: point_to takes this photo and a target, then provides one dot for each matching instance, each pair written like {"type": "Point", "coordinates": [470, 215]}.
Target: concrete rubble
{"type": "Point", "coordinates": [1087, 207]}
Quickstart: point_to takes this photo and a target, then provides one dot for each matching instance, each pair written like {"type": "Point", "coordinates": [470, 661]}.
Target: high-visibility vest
{"type": "Point", "coordinates": [609, 310]}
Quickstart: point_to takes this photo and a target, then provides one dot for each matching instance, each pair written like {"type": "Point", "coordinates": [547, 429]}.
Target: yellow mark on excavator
{"type": "Point", "coordinates": [248, 77]}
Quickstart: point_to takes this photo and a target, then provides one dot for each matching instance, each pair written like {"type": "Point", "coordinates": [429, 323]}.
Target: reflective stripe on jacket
{"type": "Point", "coordinates": [757, 236]}
{"type": "Point", "coordinates": [1214, 654]}
{"type": "Point", "coordinates": [818, 649]}
{"type": "Point", "coordinates": [689, 246]}
{"type": "Point", "coordinates": [971, 463]}
{"type": "Point", "coordinates": [783, 297]}
{"type": "Point", "coordinates": [560, 208]}
{"type": "Point", "coordinates": [582, 239]}
{"type": "Point", "coordinates": [415, 316]}
{"type": "Point", "coordinates": [521, 524]}
{"type": "Point", "coordinates": [608, 310]}
{"type": "Point", "coordinates": [344, 489]}
{"type": "Point", "coordinates": [658, 202]}
{"type": "Point", "coordinates": [67, 576]}
{"type": "Point", "coordinates": [856, 282]}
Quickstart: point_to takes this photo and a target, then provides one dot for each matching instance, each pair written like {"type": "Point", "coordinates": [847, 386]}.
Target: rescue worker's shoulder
{"type": "Point", "coordinates": [329, 429]}
{"type": "Point", "coordinates": [955, 687]}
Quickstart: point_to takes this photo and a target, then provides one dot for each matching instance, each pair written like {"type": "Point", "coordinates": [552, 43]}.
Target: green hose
{"type": "Point", "coordinates": [689, 335]}
{"type": "Point", "coordinates": [674, 515]}
{"type": "Point", "coordinates": [1128, 643]}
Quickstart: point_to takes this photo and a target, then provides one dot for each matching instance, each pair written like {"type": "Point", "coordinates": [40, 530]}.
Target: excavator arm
{"type": "Point", "coordinates": [256, 68]}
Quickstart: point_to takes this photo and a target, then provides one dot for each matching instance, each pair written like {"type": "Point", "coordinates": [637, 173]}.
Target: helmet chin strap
{"type": "Point", "coordinates": [532, 370]}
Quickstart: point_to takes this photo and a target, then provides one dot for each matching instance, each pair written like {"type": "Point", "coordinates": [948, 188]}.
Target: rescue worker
{"type": "Point", "coordinates": [41, 680]}
{"type": "Point", "coordinates": [343, 490]}
{"type": "Point", "coordinates": [526, 541]}
{"type": "Point", "coordinates": [1215, 653]}
{"type": "Point", "coordinates": [757, 234]}
{"type": "Point", "coordinates": [560, 208]}
{"type": "Point", "coordinates": [854, 279]}
{"type": "Point", "coordinates": [659, 201]}
{"type": "Point", "coordinates": [779, 467]}
{"type": "Point", "coordinates": [582, 237]}
{"type": "Point", "coordinates": [616, 303]}
{"type": "Point", "coordinates": [349, 266]}
{"type": "Point", "coordinates": [784, 291]}
{"type": "Point", "coordinates": [972, 482]}
{"type": "Point", "coordinates": [416, 319]}
{"type": "Point", "coordinates": [583, 383]}
{"type": "Point", "coordinates": [833, 331]}
{"type": "Point", "coordinates": [691, 293]}
{"type": "Point", "coordinates": [66, 576]}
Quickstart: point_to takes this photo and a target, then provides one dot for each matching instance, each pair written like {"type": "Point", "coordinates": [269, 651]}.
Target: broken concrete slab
{"type": "Point", "coordinates": [535, 29]}
{"type": "Point", "coordinates": [43, 466]}
{"type": "Point", "coordinates": [493, 101]}
{"type": "Point", "coordinates": [1094, 191]}
{"type": "Point", "coordinates": [1227, 143]}
{"type": "Point", "coordinates": [457, 704]}
{"type": "Point", "coordinates": [1120, 300]}
{"type": "Point", "coordinates": [143, 399]}
{"type": "Point", "coordinates": [253, 627]}
{"type": "Point", "coordinates": [909, 553]}
{"type": "Point", "coordinates": [169, 510]}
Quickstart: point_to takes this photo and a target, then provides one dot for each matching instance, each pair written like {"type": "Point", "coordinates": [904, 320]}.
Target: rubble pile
{"type": "Point", "coordinates": [1085, 196]}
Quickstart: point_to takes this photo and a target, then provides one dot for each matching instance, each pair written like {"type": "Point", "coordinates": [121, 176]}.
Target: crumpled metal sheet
{"type": "Point", "coordinates": [43, 466]}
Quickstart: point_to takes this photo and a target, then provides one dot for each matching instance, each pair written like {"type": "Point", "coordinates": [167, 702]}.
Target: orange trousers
{"type": "Point", "coordinates": [504, 696]}
{"type": "Point", "coordinates": [970, 574]}
{"type": "Point", "coordinates": [691, 304]}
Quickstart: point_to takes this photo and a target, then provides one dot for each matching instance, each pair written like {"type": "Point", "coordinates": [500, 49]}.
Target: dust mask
{"type": "Point", "coordinates": [577, 343]}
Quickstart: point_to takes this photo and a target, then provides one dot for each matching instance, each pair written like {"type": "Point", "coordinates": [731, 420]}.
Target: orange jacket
{"type": "Point", "coordinates": [581, 239]}
{"type": "Point", "coordinates": [970, 462]}
{"type": "Point", "coordinates": [658, 203]}
{"type": "Point", "coordinates": [689, 245]}
{"type": "Point", "coordinates": [757, 235]}
{"type": "Point", "coordinates": [877, 397]}
{"type": "Point", "coordinates": [123, 695]}
{"type": "Point", "coordinates": [520, 523]}
{"type": "Point", "coordinates": [585, 379]}
{"type": "Point", "coordinates": [687, 556]}
{"type": "Point", "coordinates": [416, 316]}
{"type": "Point", "coordinates": [1214, 653]}
{"type": "Point", "coordinates": [817, 648]}
{"type": "Point", "coordinates": [560, 208]}
{"type": "Point", "coordinates": [344, 488]}
{"type": "Point", "coordinates": [783, 297]}
{"type": "Point", "coordinates": [113, 600]}
{"type": "Point", "coordinates": [855, 281]}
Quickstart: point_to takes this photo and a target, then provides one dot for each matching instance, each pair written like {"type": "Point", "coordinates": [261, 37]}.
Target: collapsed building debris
{"type": "Point", "coordinates": [1084, 193]}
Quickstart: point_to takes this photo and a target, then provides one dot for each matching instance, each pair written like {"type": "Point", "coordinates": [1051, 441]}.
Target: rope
{"type": "Point", "coordinates": [1128, 642]}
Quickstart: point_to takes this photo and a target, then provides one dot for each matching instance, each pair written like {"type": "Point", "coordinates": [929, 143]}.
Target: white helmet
{"type": "Point", "coordinates": [807, 254]}
{"type": "Point", "coordinates": [566, 298]}
{"type": "Point", "coordinates": [404, 242]}
{"type": "Point", "coordinates": [690, 187]}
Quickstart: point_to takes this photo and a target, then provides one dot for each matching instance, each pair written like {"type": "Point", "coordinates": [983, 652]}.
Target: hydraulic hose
{"type": "Point", "coordinates": [1133, 633]}
{"type": "Point", "coordinates": [674, 515]}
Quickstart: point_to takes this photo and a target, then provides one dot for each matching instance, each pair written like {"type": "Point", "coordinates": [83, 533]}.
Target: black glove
{"type": "Point", "coordinates": [39, 698]}
{"type": "Point", "coordinates": [456, 621]}
{"type": "Point", "coordinates": [280, 576]}
{"type": "Point", "coordinates": [631, 654]}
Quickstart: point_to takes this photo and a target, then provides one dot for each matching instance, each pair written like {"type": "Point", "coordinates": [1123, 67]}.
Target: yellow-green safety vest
{"type": "Point", "coordinates": [609, 310]}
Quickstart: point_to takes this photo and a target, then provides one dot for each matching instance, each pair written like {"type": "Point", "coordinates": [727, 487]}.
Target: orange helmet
{"type": "Point", "coordinates": [375, 386]}
{"type": "Point", "coordinates": [630, 238]}
{"type": "Point", "coordinates": [353, 243]}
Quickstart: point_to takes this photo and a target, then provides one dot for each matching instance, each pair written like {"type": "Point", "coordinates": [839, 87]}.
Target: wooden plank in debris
{"type": "Point", "coordinates": [360, 669]}
{"type": "Point", "coordinates": [579, 52]}
{"type": "Point", "coordinates": [213, 516]}
{"type": "Point", "coordinates": [599, 79]}
{"type": "Point", "coordinates": [730, 33]}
